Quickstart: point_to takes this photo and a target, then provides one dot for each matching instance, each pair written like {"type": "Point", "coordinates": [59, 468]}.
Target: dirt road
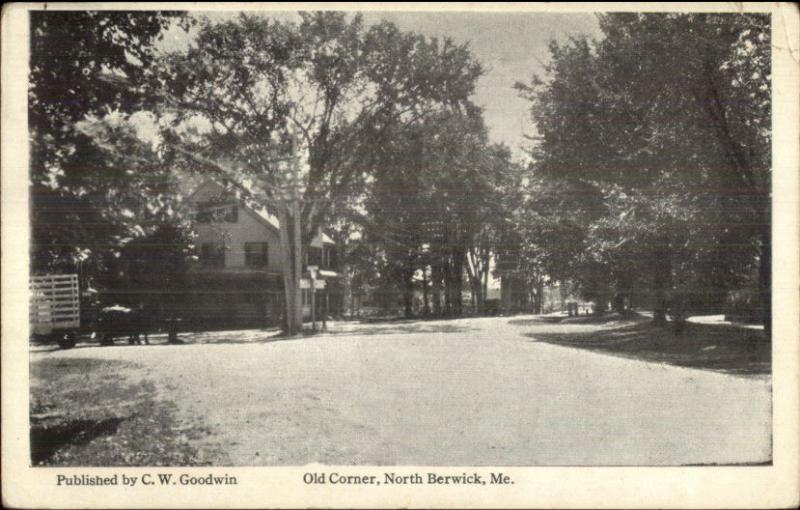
{"type": "Point", "coordinates": [464, 392]}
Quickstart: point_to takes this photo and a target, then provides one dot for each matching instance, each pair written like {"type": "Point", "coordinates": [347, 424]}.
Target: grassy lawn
{"type": "Point", "coordinates": [83, 413]}
{"type": "Point", "coordinates": [723, 348]}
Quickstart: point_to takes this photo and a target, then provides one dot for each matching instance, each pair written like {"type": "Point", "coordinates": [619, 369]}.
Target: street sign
{"type": "Point", "coordinates": [305, 283]}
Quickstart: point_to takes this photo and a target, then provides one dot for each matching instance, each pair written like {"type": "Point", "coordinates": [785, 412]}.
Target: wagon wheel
{"type": "Point", "coordinates": [66, 340]}
{"type": "Point", "coordinates": [106, 338]}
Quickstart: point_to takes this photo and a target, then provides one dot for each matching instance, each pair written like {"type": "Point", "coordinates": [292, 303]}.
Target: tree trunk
{"type": "Point", "coordinates": [426, 306]}
{"type": "Point", "coordinates": [292, 267]}
{"type": "Point", "coordinates": [352, 302]}
{"type": "Point", "coordinates": [457, 275]}
{"type": "Point", "coordinates": [474, 268]}
{"type": "Point", "coordinates": [408, 286]}
{"type": "Point", "coordinates": [661, 281]}
{"type": "Point", "coordinates": [485, 282]}
{"type": "Point", "coordinates": [539, 297]}
{"type": "Point", "coordinates": [506, 282]}
{"type": "Point", "coordinates": [744, 171]}
{"type": "Point", "coordinates": [298, 266]}
{"type": "Point", "coordinates": [473, 299]}
{"type": "Point", "coordinates": [474, 277]}
{"type": "Point", "coordinates": [480, 299]}
{"type": "Point", "coordinates": [436, 284]}
{"type": "Point", "coordinates": [448, 286]}
{"type": "Point", "coordinates": [618, 303]}
{"type": "Point", "coordinates": [765, 279]}
{"type": "Point", "coordinates": [288, 270]}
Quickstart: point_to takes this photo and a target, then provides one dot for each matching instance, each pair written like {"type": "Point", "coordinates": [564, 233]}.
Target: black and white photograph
{"type": "Point", "coordinates": [356, 240]}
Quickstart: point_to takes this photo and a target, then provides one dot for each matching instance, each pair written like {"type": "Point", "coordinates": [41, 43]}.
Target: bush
{"type": "Point", "coordinates": [743, 306]}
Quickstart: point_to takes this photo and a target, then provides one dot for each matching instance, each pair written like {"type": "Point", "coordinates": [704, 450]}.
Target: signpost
{"type": "Point", "coordinates": [312, 270]}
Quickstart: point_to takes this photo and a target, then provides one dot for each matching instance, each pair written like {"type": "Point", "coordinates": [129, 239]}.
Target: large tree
{"type": "Point", "coordinates": [89, 64]}
{"type": "Point", "coordinates": [436, 202]}
{"type": "Point", "coordinates": [283, 106]}
{"type": "Point", "coordinates": [667, 118]}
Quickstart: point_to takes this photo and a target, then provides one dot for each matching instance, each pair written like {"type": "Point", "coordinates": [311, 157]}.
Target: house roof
{"type": "Point", "coordinates": [243, 193]}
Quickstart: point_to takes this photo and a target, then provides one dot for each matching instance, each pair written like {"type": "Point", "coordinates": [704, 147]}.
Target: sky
{"type": "Point", "coordinates": [512, 46]}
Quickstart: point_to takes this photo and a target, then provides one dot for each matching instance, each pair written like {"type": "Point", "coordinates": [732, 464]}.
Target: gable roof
{"type": "Point", "coordinates": [243, 194]}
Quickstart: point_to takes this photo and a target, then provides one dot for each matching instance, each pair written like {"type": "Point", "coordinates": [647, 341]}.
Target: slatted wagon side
{"type": "Point", "coordinates": [55, 310]}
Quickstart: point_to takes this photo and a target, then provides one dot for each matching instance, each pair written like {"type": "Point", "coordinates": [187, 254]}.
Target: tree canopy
{"type": "Point", "coordinates": [246, 86]}
{"type": "Point", "coordinates": [90, 65]}
{"type": "Point", "coordinates": [649, 179]}
{"type": "Point", "coordinates": [665, 121]}
{"type": "Point", "coordinates": [252, 93]}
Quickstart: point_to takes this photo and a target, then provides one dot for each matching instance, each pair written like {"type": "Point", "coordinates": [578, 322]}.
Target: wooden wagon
{"type": "Point", "coordinates": [55, 310]}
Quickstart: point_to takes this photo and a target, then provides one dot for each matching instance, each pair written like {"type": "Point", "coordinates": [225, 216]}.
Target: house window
{"type": "Point", "coordinates": [232, 214]}
{"type": "Point", "coordinates": [202, 217]}
{"type": "Point", "coordinates": [210, 212]}
{"type": "Point", "coordinates": [256, 254]}
{"type": "Point", "coordinates": [314, 256]}
{"type": "Point", "coordinates": [212, 255]}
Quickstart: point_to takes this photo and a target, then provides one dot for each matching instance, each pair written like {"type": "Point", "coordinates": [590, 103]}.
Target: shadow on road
{"type": "Point", "coordinates": [719, 348]}
{"type": "Point", "coordinates": [253, 336]}
{"type": "Point", "coordinates": [580, 319]}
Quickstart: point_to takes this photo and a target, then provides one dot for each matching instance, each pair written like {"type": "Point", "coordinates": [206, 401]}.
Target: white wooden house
{"type": "Point", "coordinates": [238, 274]}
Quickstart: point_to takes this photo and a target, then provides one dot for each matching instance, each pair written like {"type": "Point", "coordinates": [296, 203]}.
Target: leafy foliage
{"type": "Point", "coordinates": [247, 87]}
{"type": "Point", "coordinates": [351, 101]}
{"type": "Point", "coordinates": [435, 205]}
{"type": "Point", "coordinates": [89, 65]}
{"type": "Point", "coordinates": [665, 122]}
